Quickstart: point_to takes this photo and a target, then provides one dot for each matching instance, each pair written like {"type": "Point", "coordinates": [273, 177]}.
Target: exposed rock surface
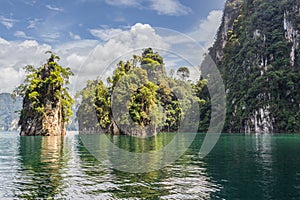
{"type": "Point", "coordinates": [46, 102]}
{"type": "Point", "coordinates": [46, 123]}
{"type": "Point", "coordinates": [257, 52]}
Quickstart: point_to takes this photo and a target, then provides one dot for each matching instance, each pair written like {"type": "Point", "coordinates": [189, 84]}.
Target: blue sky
{"type": "Point", "coordinates": [60, 20]}
{"type": "Point", "coordinates": [74, 28]}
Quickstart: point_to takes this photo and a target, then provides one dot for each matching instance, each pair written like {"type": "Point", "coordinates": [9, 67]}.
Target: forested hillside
{"type": "Point", "coordinates": [257, 52]}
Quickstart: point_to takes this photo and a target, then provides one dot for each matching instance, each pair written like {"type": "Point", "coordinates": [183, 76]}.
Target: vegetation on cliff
{"type": "Point", "coordinates": [257, 52]}
{"type": "Point", "coordinates": [138, 99]}
{"type": "Point", "coordinates": [46, 101]}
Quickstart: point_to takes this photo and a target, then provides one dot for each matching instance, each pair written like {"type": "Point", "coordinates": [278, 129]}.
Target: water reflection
{"type": "Point", "coordinates": [138, 155]}
{"type": "Point", "coordinates": [264, 160]}
{"type": "Point", "coordinates": [256, 166]}
{"type": "Point", "coordinates": [239, 167]}
{"type": "Point", "coordinates": [184, 179]}
{"type": "Point", "coordinates": [41, 160]}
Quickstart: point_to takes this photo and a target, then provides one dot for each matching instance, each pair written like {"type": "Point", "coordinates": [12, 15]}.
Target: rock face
{"type": "Point", "coordinates": [46, 123]}
{"type": "Point", "coordinates": [46, 103]}
{"type": "Point", "coordinates": [257, 52]}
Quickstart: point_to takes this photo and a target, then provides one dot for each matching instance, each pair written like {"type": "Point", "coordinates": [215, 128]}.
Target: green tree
{"type": "Point", "coordinates": [139, 98]}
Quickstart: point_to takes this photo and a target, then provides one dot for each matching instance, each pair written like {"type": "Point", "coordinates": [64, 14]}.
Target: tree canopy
{"type": "Point", "coordinates": [138, 98]}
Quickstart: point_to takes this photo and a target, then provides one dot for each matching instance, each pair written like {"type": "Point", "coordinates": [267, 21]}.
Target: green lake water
{"type": "Point", "coordinates": [239, 167]}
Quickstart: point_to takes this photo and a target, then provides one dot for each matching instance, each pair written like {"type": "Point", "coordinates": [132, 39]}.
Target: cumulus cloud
{"type": "Point", "coordinates": [14, 56]}
{"type": "Point", "coordinates": [203, 34]}
{"type": "Point", "coordinates": [87, 58]}
{"type": "Point", "coordinates": [3, 41]}
{"type": "Point", "coordinates": [102, 60]}
{"type": "Point", "coordinates": [90, 59]}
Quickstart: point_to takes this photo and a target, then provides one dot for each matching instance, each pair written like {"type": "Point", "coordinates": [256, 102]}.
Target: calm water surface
{"type": "Point", "coordinates": [239, 167]}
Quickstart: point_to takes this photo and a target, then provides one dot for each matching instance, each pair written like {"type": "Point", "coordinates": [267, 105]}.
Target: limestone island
{"type": "Point", "coordinates": [46, 102]}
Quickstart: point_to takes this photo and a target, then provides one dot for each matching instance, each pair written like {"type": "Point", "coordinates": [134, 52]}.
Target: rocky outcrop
{"type": "Point", "coordinates": [46, 103]}
{"type": "Point", "coordinates": [257, 53]}
{"type": "Point", "coordinates": [231, 12]}
{"type": "Point", "coordinates": [48, 122]}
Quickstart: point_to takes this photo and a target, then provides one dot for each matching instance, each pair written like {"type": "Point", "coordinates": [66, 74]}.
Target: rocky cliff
{"type": "Point", "coordinates": [257, 52]}
{"type": "Point", "coordinates": [46, 103]}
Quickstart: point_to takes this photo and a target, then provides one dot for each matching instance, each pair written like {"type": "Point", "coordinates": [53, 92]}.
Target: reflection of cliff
{"type": "Point", "coordinates": [42, 160]}
{"type": "Point", "coordinates": [124, 152]}
{"type": "Point", "coordinates": [100, 163]}
{"type": "Point", "coordinates": [123, 185]}
{"type": "Point", "coordinates": [255, 167]}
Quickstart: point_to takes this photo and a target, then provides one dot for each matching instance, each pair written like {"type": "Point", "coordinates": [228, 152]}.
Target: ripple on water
{"type": "Point", "coordinates": [238, 167]}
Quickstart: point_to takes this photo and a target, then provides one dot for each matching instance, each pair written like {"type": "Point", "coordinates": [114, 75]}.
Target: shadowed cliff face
{"type": "Point", "coordinates": [257, 52]}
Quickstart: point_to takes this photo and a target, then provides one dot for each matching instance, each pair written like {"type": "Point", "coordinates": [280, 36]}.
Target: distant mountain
{"type": "Point", "coordinates": [8, 116]}
{"type": "Point", "coordinates": [257, 52]}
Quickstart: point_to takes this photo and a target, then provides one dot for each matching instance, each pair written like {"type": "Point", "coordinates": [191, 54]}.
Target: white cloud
{"type": "Point", "coordinates": [90, 59]}
{"type": "Point", "coordinates": [7, 22]}
{"type": "Point", "coordinates": [127, 42]}
{"type": "Point", "coordinates": [123, 2]}
{"type": "Point", "coordinates": [192, 45]}
{"type": "Point", "coordinates": [29, 2]}
{"type": "Point", "coordinates": [74, 36]}
{"type": "Point", "coordinates": [50, 37]}
{"type": "Point", "coordinates": [54, 8]}
{"type": "Point", "coordinates": [32, 23]}
{"type": "Point", "coordinates": [169, 7]}
{"type": "Point", "coordinates": [21, 34]}
{"type": "Point", "coordinates": [8, 84]}
{"type": "Point", "coordinates": [29, 44]}
{"type": "Point", "coordinates": [162, 7]}
{"type": "Point", "coordinates": [105, 34]}
{"type": "Point", "coordinates": [3, 41]}
{"type": "Point", "coordinates": [73, 53]}
{"type": "Point", "coordinates": [14, 56]}
{"type": "Point", "coordinates": [205, 33]}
